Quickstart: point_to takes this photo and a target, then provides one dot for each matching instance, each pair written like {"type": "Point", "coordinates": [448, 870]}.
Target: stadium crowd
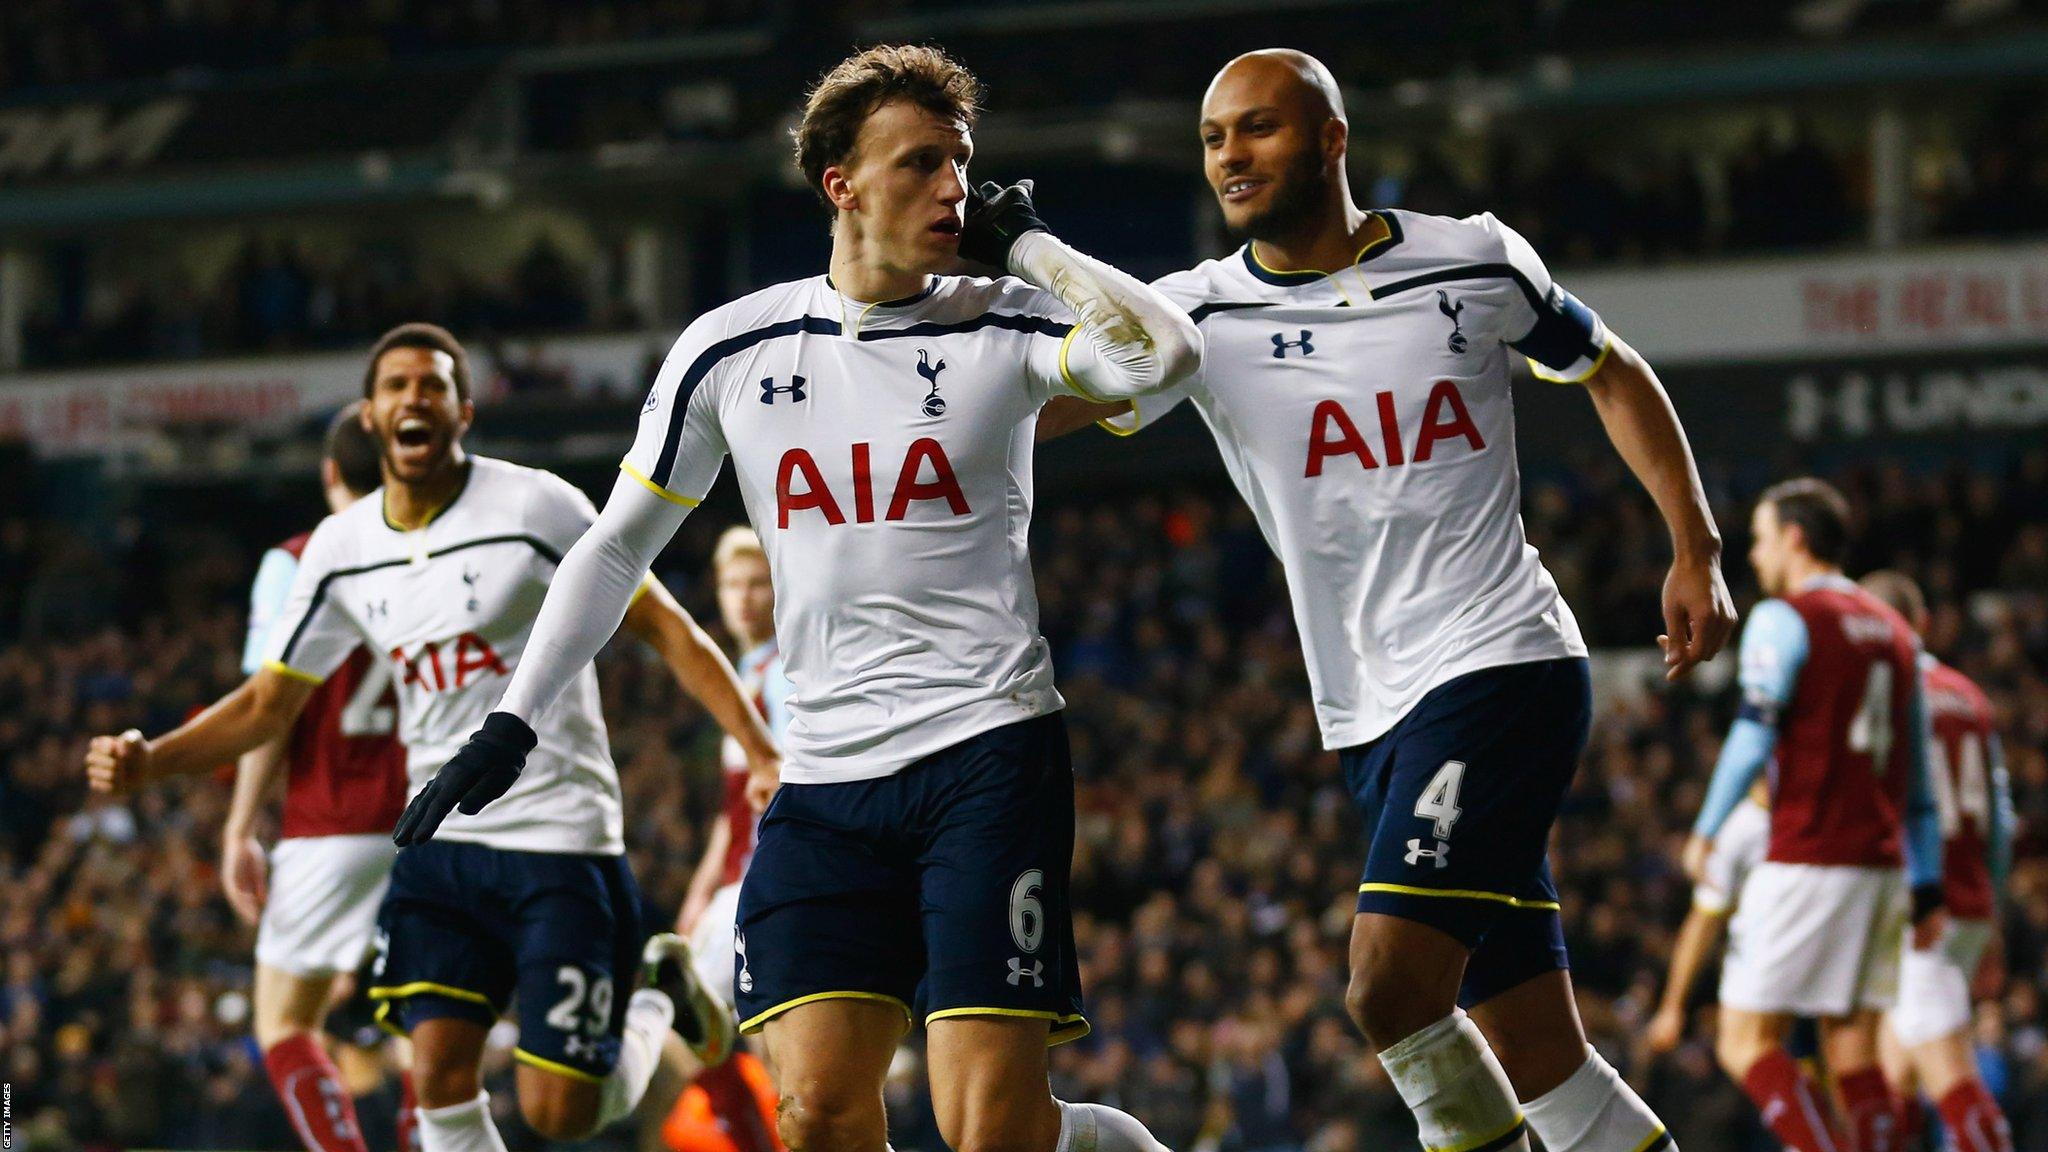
{"type": "Point", "coordinates": [1217, 858]}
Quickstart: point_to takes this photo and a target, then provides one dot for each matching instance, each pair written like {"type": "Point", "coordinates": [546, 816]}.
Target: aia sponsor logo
{"type": "Point", "coordinates": [444, 665]}
{"type": "Point", "coordinates": [925, 474]}
{"type": "Point", "coordinates": [1333, 433]}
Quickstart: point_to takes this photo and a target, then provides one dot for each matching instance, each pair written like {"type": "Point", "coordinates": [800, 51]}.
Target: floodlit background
{"type": "Point", "coordinates": [1825, 223]}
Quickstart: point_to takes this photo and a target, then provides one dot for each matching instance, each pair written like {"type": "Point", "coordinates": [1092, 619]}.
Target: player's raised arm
{"type": "Point", "coordinates": [1131, 341]}
{"type": "Point", "coordinates": [261, 710]}
{"type": "Point", "coordinates": [705, 673]}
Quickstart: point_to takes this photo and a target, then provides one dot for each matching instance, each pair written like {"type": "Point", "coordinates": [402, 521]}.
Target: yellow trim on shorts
{"type": "Point", "coordinates": [1541, 373]}
{"type": "Point", "coordinates": [657, 489]}
{"type": "Point", "coordinates": [1461, 894]}
{"type": "Point", "coordinates": [546, 1065]}
{"type": "Point", "coordinates": [1067, 376]}
{"type": "Point", "coordinates": [753, 1024]}
{"type": "Point", "coordinates": [387, 995]}
{"type": "Point", "coordinates": [1066, 1026]}
{"type": "Point", "coordinates": [1652, 1138]}
{"type": "Point", "coordinates": [1520, 1120]}
{"type": "Point", "coordinates": [286, 670]}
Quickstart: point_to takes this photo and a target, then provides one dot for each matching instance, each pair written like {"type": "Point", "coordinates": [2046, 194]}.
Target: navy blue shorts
{"type": "Point", "coordinates": [1458, 799]}
{"type": "Point", "coordinates": [467, 929]}
{"type": "Point", "coordinates": [941, 889]}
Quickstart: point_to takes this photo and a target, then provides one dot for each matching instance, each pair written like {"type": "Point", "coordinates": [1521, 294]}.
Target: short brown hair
{"type": "Point", "coordinates": [1898, 590]}
{"type": "Point", "coordinates": [1819, 510]}
{"type": "Point", "coordinates": [842, 101]}
{"type": "Point", "coordinates": [355, 451]}
{"type": "Point", "coordinates": [420, 334]}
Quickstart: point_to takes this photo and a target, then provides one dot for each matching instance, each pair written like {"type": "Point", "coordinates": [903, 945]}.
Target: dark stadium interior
{"type": "Point", "coordinates": [549, 177]}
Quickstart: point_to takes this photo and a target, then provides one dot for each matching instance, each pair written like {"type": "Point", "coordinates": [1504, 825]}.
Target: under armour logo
{"type": "Point", "coordinates": [1456, 343]}
{"type": "Point", "coordinates": [577, 1046]}
{"type": "Point", "coordinates": [1281, 345]}
{"type": "Point", "coordinates": [1441, 854]}
{"type": "Point", "coordinates": [794, 390]}
{"type": "Point", "coordinates": [1018, 973]}
{"type": "Point", "coordinates": [739, 949]}
{"type": "Point", "coordinates": [376, 608]}
{"type": "Point", "coordinates": [934, 404]}
{"type": "Point", "coordinates": [469, 579]}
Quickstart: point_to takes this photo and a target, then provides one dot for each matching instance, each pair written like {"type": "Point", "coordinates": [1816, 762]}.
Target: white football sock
{"type": "Point", "coordinates": [1595, 1110]}
{"type": "Point", "coordinates": [1100, 1128]}
{"type": "Point", "coordinates": [648, 1017]}
{"type": "Point", "coordinates": [460, 1127]}
{"type": "Point", "coordinates": [1454, 1085]}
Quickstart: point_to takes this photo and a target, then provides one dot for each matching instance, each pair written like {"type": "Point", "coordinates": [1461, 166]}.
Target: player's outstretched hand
{"type": "Point", "coordinates": [996, 216]}
{"type": "Point", "coordinates": [1694, 859]}
{"type": "Point", "coordinates": [764, 778]}
{"type": "Point", "coordinates": [1698, 615]}
{"type": "Point", "coordinates": [1666, 1029]}
{"type": "Point", "coordinates": [245, 877]}
{"type": "Point", "coordinates": [477, 774]}
{"type": "Point", "coordinates": [117, 763]}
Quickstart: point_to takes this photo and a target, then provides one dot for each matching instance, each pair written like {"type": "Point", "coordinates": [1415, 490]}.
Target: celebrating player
{"type": "Point", "coordinates": [1831, 697]}
{"type": "Point", "coordinates": [445, 574]}
{"type": "Point", "coordinates": [880, 422]}
{"type": "Point", "coordinates": [725, 1096]}
{"type": "Point", "coordinates": [1926, 1043]}
{"type": "Point", "coordinates": [314, 900]}
{"type": "Point", "coordinates": [1738, 848]}
{"type": "Point", "coordinates": [1356, 381]}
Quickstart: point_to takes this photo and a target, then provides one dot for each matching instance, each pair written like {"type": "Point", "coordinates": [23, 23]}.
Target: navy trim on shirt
{"type": "Point", "coordinates": [671, 441]}
{"type": "Point", "coordinates": [320, 589]}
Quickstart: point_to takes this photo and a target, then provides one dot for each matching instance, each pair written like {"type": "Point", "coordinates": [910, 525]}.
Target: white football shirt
{"type": "Point", "coordinates": [884, 455]}
{"type": "Point", "coordinates": [1366, 416]}
{"type": "Point", "coordinates": [451, 606]}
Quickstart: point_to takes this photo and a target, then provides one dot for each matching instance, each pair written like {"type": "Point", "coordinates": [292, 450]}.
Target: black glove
{"type": "Point", "coordinates": [477, 774]}
{"type": "Point", "coordinates": [996, 216]}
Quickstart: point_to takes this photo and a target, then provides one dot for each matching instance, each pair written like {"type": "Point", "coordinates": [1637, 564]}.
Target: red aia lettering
{"type": "Point", "coordinates": [815, 494]}
{"type": "Point", "coordinates": [1331, 431]}
{"type": "Point", "coordinates": [942, 485]}
{"type": "Point", "coordinates": [473, 654]}
{"type": "Point", "coordinates": [924, 454]}
{"type": "Point", "coordinates": [1445, 395]}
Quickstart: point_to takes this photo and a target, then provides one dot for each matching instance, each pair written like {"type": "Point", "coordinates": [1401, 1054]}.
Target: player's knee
{"type": "Point", "coordinates": [1386, 1009]}
{"type": "Point", "coordinates": [442, 1086]}
{"type": "Point", "coordinates": [557, 1117]}
{"type": "Point", "coordinates": [1735, 1052]}
{"type": "Point", "coordinates": [824, 1121]}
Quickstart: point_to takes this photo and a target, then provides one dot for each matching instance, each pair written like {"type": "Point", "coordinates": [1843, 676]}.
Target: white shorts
{"type": "Point", "coordinates": [1934, 986]}
{"type": "Point", "coordinates": [322, 909]}
{"type": "Point", "coordinates": [711, 941]}
{"type": "Point", "coordinates": [1815, 940]}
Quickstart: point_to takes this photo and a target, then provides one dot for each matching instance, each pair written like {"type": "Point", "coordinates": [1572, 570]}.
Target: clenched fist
{"type": "Point", "coordinates": [117, 763]}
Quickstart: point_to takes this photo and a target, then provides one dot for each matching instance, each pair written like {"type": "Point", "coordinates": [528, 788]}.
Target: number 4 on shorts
{"type": "Point", "coordinates": [1439, 800]}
